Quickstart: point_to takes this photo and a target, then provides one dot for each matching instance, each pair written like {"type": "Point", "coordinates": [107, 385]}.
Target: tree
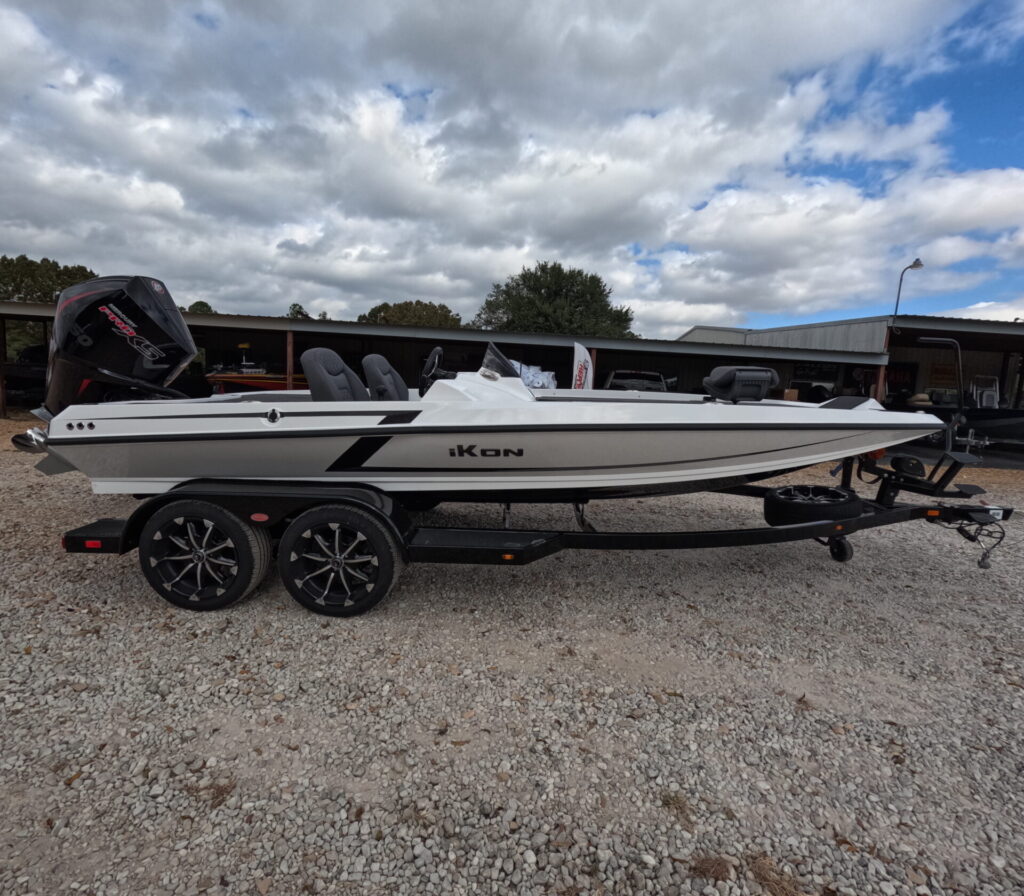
{"type": "Point", "coordinates": [200, 307]}
{"type": "Point", "coordinates": [297, 312]}
{"type": "Point", "coordinates": [24, 280]}
{"type": "Point", "coordinates": [323, 315]}
{"type": "Point", "coordinates": [553, 299]}
{"type": "Point", "coordinates": [411, 314]}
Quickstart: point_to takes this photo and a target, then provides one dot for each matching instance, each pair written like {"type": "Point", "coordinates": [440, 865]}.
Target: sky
{"type": "Point", "coordinates": [736, 163]}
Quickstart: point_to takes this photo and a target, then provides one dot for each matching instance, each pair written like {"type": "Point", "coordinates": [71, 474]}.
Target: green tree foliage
{"type": "Point", "coordinates": [323, 315]}
{"type": "Point", "coordinates": [551, 299]}
{"type": "Point", "coordinates": [23, 279]}
{"type": "Point", "coordinates": [201, 307]}
{"type": "Point", "coordinates": [297, 312]}
{"type": "Point", "coordinates": [411, 314]}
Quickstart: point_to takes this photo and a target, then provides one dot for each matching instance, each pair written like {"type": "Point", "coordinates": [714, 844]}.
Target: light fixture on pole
{"type": "Point", "coordinates": [916, 264]}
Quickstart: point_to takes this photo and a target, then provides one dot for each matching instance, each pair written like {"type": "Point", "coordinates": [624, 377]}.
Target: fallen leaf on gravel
{"type": "Point", "coordinates": [503, 776]}
{"type": "Point", "coordinates": [459, 743]}
{"type": "Point", "coordinates": [28, 650]}
{"type": "Point", "coordinates": [771, 878]}
{"type": "Point", "coordinates": [292, 747]}
{"type": "Point", "coordinates": [712, 868]}
{"type": "Point", "coordinates": [69, 781]}
{"type": "Point", "coordinates": [843, 843]}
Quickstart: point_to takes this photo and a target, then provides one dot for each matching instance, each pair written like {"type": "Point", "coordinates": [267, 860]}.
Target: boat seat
{"type": "Point", "coordinates": [384, 382]}
{"type": "Point", "coordinates": [740, 383]}
{"type": "Point", "coordinates": [330, 378]}
{"type": "Point", "coordinates": [988, 398]}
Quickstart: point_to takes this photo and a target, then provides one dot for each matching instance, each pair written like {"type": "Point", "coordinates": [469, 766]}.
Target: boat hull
{"type": "Point", "coordinates": [559, 449]}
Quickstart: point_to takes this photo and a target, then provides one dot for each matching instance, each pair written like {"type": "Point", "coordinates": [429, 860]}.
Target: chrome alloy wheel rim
{"type": "Point", "coordinates": [812, 494]}
{"type": "Point", "coordinates": [333, 565]}
{"type": "Point", "coordinates": [193, 558]}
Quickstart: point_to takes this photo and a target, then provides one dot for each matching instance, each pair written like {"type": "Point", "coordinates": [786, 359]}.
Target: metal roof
{"type": "Point", "coordinates": [43, 311]}
{"type": "Point", "coordinates": [869, 334]}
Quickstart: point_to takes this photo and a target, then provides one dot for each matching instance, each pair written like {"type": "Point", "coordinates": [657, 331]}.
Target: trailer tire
{"type": "Point", "coordinates": [338, 560]}
{"type": "Point", "coordinates": [228, 556]}
{"type": "Point", "coordinates": [789, 505]}
{"type": "Point", "coordinates": [840, 550]}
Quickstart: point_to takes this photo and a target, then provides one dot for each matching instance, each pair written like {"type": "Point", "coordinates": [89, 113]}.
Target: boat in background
{"type": "Point", "coordinates": [248, 376]}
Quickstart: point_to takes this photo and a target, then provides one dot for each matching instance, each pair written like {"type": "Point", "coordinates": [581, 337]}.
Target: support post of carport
{"type": "Point", "coordinates": [3, 366]}
{"type": "Point", "coordinates": [289, 375]}
{"type": "Point", "coordinates": [880, 384]}
{"type": "Point", "coordinates": [880, 375]}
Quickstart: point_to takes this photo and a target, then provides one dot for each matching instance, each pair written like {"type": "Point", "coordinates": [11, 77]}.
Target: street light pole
{"type": "Point", "coordinates": [913, 266]}
{"type": "Point", "coordinates": [880, 383]}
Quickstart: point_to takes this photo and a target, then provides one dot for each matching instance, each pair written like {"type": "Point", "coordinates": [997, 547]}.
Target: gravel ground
{"type": "Point", "coordinates": [755, 720]}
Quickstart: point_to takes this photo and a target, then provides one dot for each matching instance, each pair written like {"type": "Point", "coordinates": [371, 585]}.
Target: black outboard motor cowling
{"type": "Point", "coordinates": [115, 338]}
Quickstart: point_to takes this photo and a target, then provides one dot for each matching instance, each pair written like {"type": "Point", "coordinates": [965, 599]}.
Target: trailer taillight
{"type": "Point", "coordinates": [93, 544]}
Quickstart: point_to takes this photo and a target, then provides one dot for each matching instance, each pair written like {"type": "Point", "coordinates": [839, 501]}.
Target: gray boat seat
{"type": "Point", "coordinates": [384, 382]}
{"type": "Point", "coordinates": [740, 383]}
{"type": "Point", "coordinates": [330, 378]}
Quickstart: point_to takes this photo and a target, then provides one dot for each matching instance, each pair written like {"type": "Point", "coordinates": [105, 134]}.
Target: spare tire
{"type": "Point", "coordinates": [792, 504]}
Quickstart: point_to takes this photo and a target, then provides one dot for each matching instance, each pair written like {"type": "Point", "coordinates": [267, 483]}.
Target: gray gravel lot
{"type": "Point", "coordinates": [756, 720]}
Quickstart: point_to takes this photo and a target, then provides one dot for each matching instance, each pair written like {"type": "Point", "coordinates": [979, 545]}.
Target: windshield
{"type": "Point", "coordinates": [496, 362]}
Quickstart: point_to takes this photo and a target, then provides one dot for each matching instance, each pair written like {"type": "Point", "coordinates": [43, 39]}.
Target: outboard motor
{"type": "Point", "coordinates": [115, 338]}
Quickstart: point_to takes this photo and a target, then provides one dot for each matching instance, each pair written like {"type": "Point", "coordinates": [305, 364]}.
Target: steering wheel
{"type": "Point", "coordinates": [431, 369]}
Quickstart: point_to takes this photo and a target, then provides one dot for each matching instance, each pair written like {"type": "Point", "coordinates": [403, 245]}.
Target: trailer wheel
{"type": "Point", "coordinates": [840, 550]}
{"type": "Point", "coordinates": [792, 504]}
{"type": "Point", "coordinates": [338, 560]}
{"type": "Point", "coordinates": [201, 557]}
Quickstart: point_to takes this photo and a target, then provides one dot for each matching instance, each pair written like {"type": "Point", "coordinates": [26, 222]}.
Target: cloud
{"type": "Point", "coordinates": [1010, 311]}
{"type": "Point", "coordinates": [703, 160]}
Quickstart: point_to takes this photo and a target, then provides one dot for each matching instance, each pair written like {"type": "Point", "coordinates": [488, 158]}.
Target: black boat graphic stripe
{"type": "Point", "coordinates": [358, 453]}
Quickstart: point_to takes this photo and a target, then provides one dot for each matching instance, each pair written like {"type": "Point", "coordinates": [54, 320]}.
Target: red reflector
{"type": "Point", "coordinates": [258, 517]}
{"type": "Point", "coordinates": [93, 543]}
{"type": "Point", "coordinates": [877, 454]}
{"type": "Point", "coordinates": [63, 543]}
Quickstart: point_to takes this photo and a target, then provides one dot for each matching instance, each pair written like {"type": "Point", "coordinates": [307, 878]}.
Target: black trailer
{"type": "Point", "coordinates": [206, 544]}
